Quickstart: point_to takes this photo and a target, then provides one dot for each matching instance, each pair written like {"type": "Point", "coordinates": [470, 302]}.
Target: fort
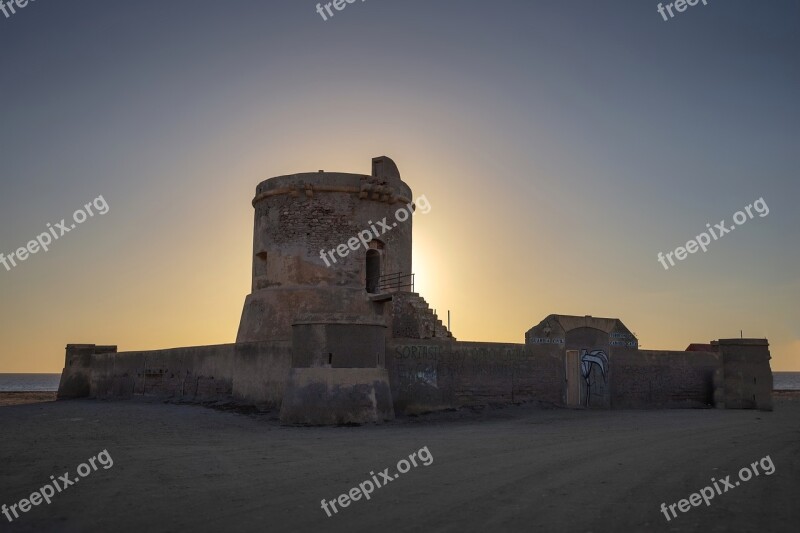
{"type": "Point", "coordinates": [352, 343]}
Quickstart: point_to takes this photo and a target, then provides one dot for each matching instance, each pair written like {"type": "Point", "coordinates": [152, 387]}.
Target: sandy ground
{"type": "Point", "coordinates": [190, 468]}
{"type": "Point", "coordinates": [19, 398]}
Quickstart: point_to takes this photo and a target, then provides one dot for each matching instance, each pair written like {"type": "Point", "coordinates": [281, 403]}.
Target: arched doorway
{"type": "Point", "coordinates": [373, 270]}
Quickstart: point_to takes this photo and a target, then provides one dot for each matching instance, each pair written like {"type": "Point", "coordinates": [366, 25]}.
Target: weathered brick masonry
{"type": "Point", "coordinates": [649, 378]}
{"type": "Point", "coordinates": [427, 375]}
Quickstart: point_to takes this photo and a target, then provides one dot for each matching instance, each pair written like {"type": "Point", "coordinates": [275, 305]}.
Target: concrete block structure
{"type": "Point", "coordinates": [342, 338]}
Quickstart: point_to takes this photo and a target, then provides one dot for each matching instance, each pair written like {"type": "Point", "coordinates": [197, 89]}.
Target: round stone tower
{"type": "Point", "coordinates": [327, 249]}
{"type": "Point", "coordinates": [321, 245]}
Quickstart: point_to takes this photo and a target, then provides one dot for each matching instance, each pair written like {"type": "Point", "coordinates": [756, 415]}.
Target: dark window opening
{"type": "Point", "coordinates": [373, 270]}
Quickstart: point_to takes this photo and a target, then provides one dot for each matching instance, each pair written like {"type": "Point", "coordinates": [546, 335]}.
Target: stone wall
{"type": "Point", "coordinates": [428, 375]}
{"type": "Point", "coordinates": [659, 379]}
{"type": "Point", "coordinates": [259, 373]}
{"type": "Point", "coordinates": [201, 373]}
{"type": "Point", "coordinates": [77, 374]}
{"type": "Point", "coordinates": [250, 373]}
{"type": "Point", "coordinates": [411, 317]}
{"type": "Point", "coordinates": [746, 376]}
{"type": "Point", "coordinates": [332, 396]}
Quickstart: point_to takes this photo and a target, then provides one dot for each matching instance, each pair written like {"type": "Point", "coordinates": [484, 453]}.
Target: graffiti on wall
{"type": "Point", "coordinates": [424, 351]}
{"type": "Point", "coordinates": [416, 365]}
{"type": "Point", "coordinates": [623, 339]}
{"type": "Point", "coordinates": [592, 363]}
{"type": "Point", "coordinates": [546, 340]}
{"type": "Point", "coordinates": [410, 375]}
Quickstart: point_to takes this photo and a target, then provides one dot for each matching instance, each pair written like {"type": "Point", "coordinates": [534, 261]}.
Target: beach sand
{"type": "Point", "coordinates": [19, 398]}
{"type": "Point", "coordinates": [190, 468]}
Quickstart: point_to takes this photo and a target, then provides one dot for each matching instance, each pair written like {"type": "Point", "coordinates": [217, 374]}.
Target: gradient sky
{"type": "Point", "coordinates": [561, 143]}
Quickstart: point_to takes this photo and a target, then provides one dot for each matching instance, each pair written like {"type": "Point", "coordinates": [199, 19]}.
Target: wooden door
{"type": "Point", "coordinates": [573, 378]}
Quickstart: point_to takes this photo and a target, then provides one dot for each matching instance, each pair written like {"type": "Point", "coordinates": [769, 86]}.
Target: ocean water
{"type": "Point", "coordinates": [786, 380]}
{"type": "Point", "coordinates": [29, 382]}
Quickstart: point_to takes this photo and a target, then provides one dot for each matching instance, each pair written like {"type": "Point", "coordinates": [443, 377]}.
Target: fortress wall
{"type": "Point", "coordinates": [200, 373]}
{"type": "Point", "coordinates": [77, 374]}
{"type": "Point", "coordinates": [260, 371]}
{"type": "Point", "coordinates": [253, 373]}
{"type": "Point", "coordinates": [424, 374]}
{"type": "Point", "coordinates": [662, 379]}
{"type": "Point", "coordinates": [428, 375]}
{"type": "Point", "coordinates": [746, 376]}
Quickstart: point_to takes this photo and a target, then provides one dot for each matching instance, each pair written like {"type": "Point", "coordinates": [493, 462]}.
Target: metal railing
{"type": "Point", "coordinates": [395, 282]}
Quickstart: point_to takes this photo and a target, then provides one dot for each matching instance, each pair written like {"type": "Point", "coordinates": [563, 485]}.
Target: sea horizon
{"type": "Point", "coordinates": [29, 382]}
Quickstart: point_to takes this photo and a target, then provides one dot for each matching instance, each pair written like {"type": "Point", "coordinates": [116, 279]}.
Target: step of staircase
{"type": "Point", "coordinates": [425, 323]}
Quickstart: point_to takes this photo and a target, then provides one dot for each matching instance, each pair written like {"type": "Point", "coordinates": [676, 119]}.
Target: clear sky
{"type": "Point", "coordinates": [561, 143]}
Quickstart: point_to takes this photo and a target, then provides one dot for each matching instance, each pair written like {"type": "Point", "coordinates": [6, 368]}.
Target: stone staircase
{"type": "Point", "coordinates": [413, 318]}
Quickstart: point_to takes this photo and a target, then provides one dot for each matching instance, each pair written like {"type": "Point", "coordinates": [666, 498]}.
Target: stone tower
{"type": "Point", "coordinates": [301, 215]}
{"type": "Point", "coordinates": [329, 305]}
